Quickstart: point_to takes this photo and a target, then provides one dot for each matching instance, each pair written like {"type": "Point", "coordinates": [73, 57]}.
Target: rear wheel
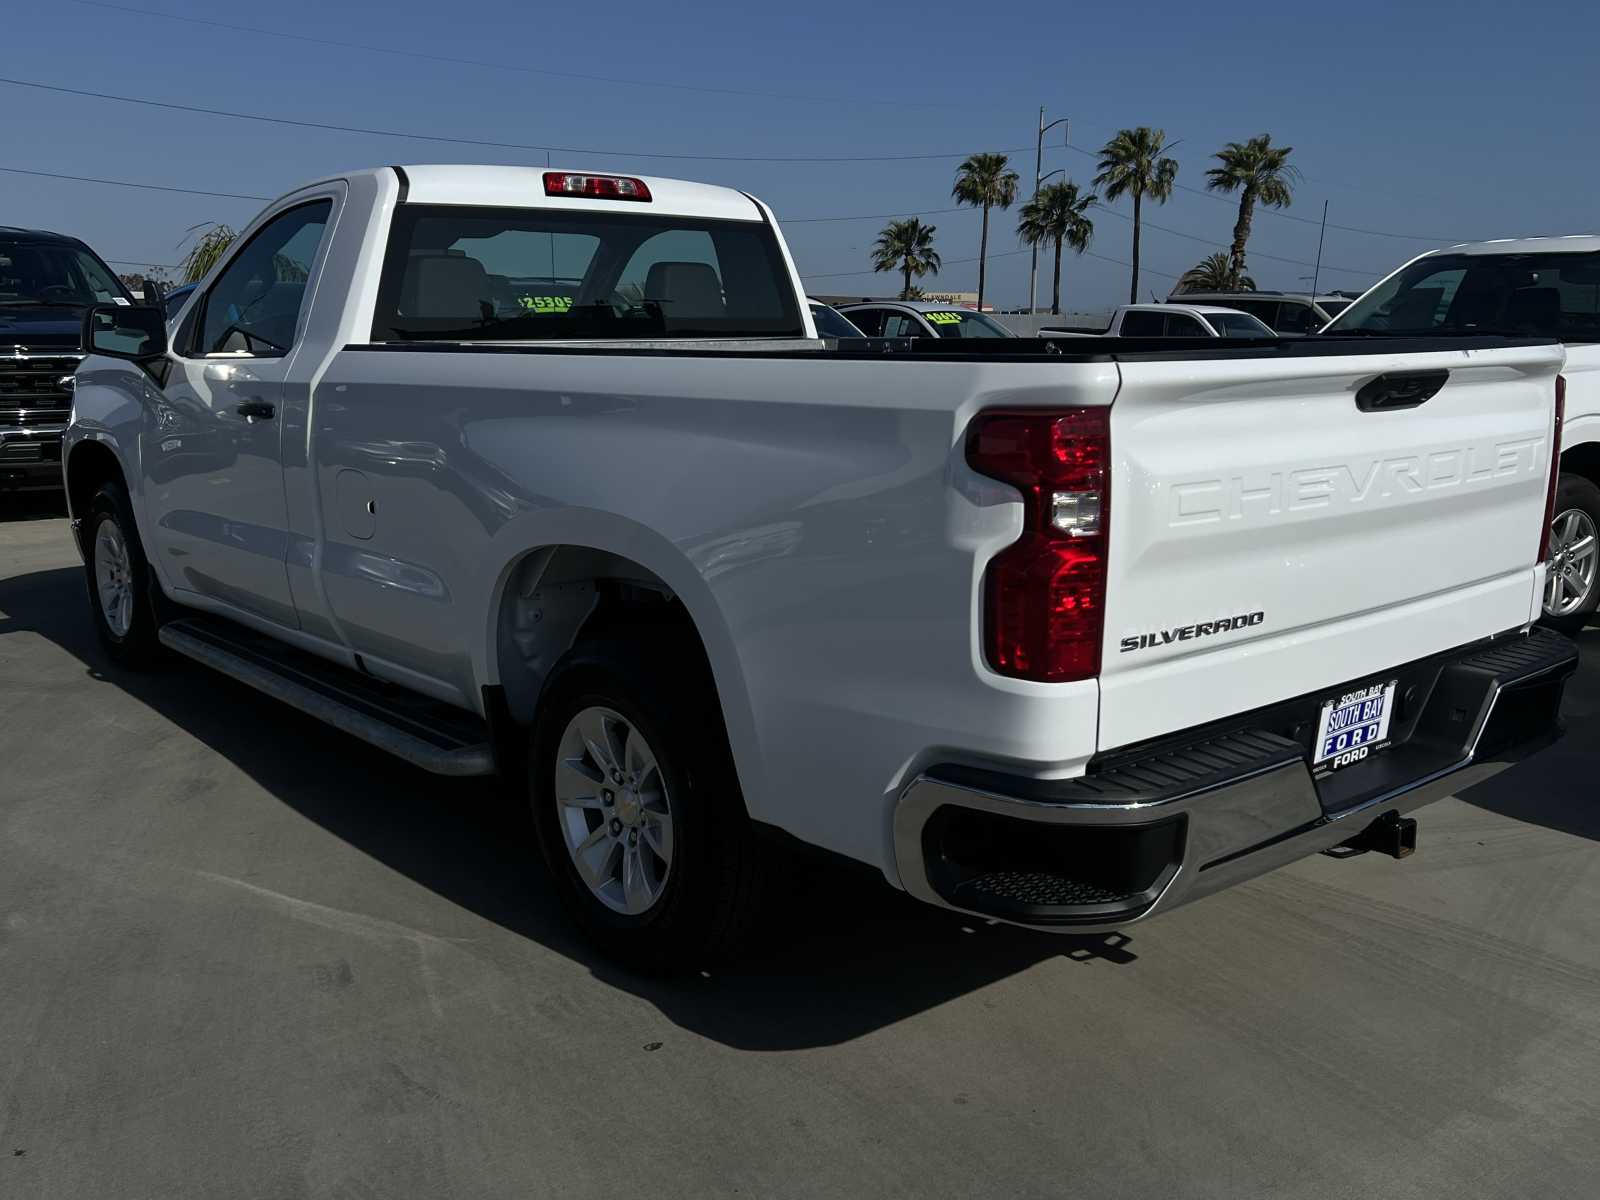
{"type": "Point", "coordinates": [1570, 590]}
{"type": "Point", "coordinates": [638, 808]}
{"type": "Point", "coordinates": [119, 579]}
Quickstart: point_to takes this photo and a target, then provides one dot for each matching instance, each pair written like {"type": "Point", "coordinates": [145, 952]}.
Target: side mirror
{"type": "Point", "coordinates": [155, 295]}
{"type": "Point", "coordinates": [133, 332]}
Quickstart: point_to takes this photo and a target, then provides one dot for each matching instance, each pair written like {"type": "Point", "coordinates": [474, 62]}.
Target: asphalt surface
{"type": "Point", "coordinates": [244, 956]}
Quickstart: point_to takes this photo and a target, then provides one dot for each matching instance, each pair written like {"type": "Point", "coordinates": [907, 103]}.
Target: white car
{"type": "Point", "coordinates": [1059, 639]}
{"type": "Point", "coordinates": [1173, 321]}
{"type": "Point", "coordinates": [922, 319]}
{"type": "Point", "coordinates": [1547, 287]}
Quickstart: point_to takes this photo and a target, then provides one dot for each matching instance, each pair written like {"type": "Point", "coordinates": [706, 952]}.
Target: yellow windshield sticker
{"type": "Point", "coordinates": [944, 318]}
{"type": "Point", "coordinates": [545, 304]}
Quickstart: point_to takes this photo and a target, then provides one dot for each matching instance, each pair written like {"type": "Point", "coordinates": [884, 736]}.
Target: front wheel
{"type": "Point", "coordinates": [119, 579]}
{"type": "Point", "coordinates": [1571, 593]}
{"type": "Point", "coordinates": [638, 809]}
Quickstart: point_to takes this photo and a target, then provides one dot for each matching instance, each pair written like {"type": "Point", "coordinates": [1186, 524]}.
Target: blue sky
{"type": "Point", "coordinates": [1448, 120]}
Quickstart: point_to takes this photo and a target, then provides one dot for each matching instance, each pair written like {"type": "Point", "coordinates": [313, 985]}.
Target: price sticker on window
{"type": "Point", "coordinates": [546, 304]}
{"type": "Point", "coordinates": [943, 318]}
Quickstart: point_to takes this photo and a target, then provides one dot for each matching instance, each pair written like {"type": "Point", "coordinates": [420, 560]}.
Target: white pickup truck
{"type": "Point", "coordinates": [546, 473]}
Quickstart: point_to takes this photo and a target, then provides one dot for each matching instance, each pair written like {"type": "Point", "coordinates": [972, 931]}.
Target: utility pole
{"type": "Point", "coordinates": [1038, 166]}
{"type": "Point", "coordinates": [1318, 268]}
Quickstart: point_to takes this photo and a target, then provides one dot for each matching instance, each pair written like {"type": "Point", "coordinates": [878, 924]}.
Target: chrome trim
{"type": "Point", "coordinates": [31, 433]}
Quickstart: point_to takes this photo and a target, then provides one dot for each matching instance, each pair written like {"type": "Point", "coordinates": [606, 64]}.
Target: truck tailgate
{"type": "Point", "coordinates": [1270, 537]}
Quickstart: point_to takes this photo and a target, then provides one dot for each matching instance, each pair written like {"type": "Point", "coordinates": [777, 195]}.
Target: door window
{"type": "Point", "coordinates": [1295, 318]}
{"type": "Point", "coordinates": [1143, 323]}
{"type": "Point", "coordinates": [1183, 325]}
{"type": "Point", "coordinates": [868, 320]}
{"type": "Point", "coordinates": [254, 306]}
{"type": "Point", "coordinates": [1265, 311]}
{"type": "Point", "coordinates": [903, 325]}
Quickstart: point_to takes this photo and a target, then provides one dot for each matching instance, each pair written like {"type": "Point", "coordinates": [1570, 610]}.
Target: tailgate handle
{"type": "Point", "coordinates": [1400, 389]}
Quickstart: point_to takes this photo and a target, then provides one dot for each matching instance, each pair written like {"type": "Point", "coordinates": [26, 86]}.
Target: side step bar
{"type": "Point", "coordinates": [425, 733]}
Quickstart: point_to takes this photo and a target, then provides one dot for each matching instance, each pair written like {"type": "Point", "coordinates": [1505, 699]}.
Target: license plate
{"type": "Point", "coordinates": [1353, 725]}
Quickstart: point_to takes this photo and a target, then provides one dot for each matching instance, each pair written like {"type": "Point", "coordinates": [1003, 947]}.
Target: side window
{"type": "Point", "coordinates": [868, 320]}
{"type": "Point", "coordinates": [1183, 325]}
{"type": "Point", "coordinates": [254, 306]}
{"type": "Point", "coordinates": [1295, 318]}
{"type": "Point", "coordinates": [1142, 323]}
{"type": "Point", "coordinates": [902, 325]}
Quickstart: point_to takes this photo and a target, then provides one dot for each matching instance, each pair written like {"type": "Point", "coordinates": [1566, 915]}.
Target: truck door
{"type": "Point", "coordinates": [213, 462]}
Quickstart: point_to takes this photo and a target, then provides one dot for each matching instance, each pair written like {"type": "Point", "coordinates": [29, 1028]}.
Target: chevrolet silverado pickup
{"type": "Point", "coordinates": [547, 474]}
{"type": "Point", "coordinates": [47, 280]}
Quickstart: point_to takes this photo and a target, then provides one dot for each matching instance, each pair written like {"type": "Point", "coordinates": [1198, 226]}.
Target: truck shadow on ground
{"type": "Point", "coordinates": [1542, 790]}
{"type": "Point", "coordinates": [844, 954]}
{"type": "Point", "coordinates": [32, 506]}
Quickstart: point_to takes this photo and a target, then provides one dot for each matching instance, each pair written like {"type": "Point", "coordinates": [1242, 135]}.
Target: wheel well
{"type": "Point", "coordinates": [91, 465]}
{"type": "Point", "coordinates": [558, 594]}
{"type": "Point", "coordinates": [1583, 460]}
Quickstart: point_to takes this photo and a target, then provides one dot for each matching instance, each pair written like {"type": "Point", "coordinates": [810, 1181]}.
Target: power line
{"type": "Point", "coordinates": [1404, 237]}
{"type": "Point", "coordinates": [925, 212]}
{"type": "Point", "coordinates": [1299, 262]}
{"type": "Point", "coordinates": [148, 187]}
{"type": "Point", "coordinates": [156, 187]}
{"type": "Point", "coordinates": [457, 141]}
{"type": "Point", "coordinates": [258, 31]}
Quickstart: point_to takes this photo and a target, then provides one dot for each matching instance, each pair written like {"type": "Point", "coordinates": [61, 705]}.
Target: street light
{"type": "Point", "coordinates": [1038, 165]}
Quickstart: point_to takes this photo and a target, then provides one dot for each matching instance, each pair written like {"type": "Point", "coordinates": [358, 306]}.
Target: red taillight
{"type": "Point", "coordinates": [598, 187]}
{"type": "Point", "coordinates": [1555, 469]}
{"type": "Point", "coordinates": [1044, 595]}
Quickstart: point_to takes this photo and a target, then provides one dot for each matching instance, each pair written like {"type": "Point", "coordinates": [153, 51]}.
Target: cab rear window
{"type": "Point", "coordinates": [470, 274]}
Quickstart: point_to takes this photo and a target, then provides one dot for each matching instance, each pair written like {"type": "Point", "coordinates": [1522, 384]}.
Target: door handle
{"type": "Point", "coordinates": [257, 408]}
{"type": "Point", "coordinates": [1400, 389]}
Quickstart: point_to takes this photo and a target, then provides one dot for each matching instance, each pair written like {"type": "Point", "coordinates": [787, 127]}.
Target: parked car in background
{"type": "Point", "coordinates": [919, 318]}
{"type": "Point", "coordinates": [830, 322]}
{"type": "Point", "coordinates": [1540, 287]}
{"type": "Point", "coordinates": [174, 300]}
{"type": "Point", "coordinates": [47, 281]}
{"type": "Point", "coordinates": [1062, 639]}
{"type": "Point", "coordinates": [1283, 312]}
{"type": "Point", "coordinates": [1172, 320]}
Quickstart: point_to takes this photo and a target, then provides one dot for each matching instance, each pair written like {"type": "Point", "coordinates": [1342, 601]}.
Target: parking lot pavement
{"type": "Point", "coordinates": [243, 956]}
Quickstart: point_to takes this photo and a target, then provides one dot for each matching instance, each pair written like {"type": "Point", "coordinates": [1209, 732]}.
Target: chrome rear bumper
{"type": "Point", "coordinates": [1146, 832]}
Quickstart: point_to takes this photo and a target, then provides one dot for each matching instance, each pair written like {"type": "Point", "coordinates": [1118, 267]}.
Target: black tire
{"type": "Point", "coordinates": [137, 646]}
{"type": "Point", "coordinates": [1575, 493]}
{"type": "Point", "coordinates": [711, 896]}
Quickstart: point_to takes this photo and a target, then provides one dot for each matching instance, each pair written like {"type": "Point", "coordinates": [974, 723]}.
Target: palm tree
{"type": "Point", "coordinates": [1214, 274]}
{"type": "Point", "coordinates": [208, 248]}
{"type": "Point", "coordinates": [1134, 163]}
{"type": "Point", "coordinates": [906, 246]}
{"type": "Point", "coordinates": [985, 181]}
{"type": "Point", "coordinates": [1056, 215]}
{"type": "Point", "coordinates": [1261, 174]}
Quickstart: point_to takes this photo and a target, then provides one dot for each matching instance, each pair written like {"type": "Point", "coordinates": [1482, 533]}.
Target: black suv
{"type": "Point", "coordinates": [46, 282]}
